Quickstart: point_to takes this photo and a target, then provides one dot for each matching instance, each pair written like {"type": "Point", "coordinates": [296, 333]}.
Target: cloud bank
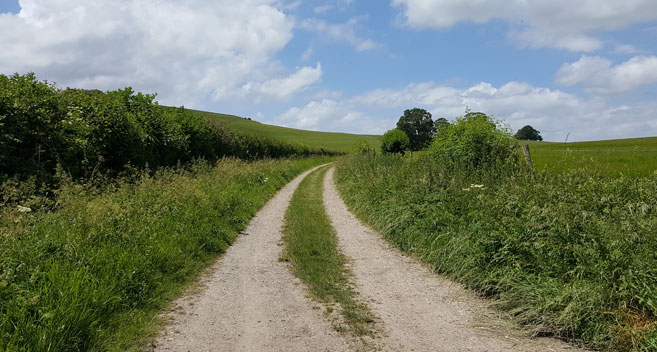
{"type": "Point", "coordinates": [561, 24]}
{"type": "Point", "coordinates": [188, 51]}
{"type": "Point", "coordinates": [599, 75]}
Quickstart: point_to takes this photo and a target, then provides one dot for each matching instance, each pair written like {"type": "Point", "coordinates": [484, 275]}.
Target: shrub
{"type": "Point", "coordinates": [395, 141]}
{"type": "Point", "coordinates": [474, 141]}
{"type": "Point", "coordinates": [361, 147]}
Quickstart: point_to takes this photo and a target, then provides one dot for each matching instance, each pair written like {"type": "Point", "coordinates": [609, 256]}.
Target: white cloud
{"type": "Point", "coordinates": [187, 51]}
{"type": "Point", "coordinates": [281, 88]}
{"type": "Point", "coordinates": [625, 49]}
{"type": "Point", "coordinates": [533, 38]}
{"type": "Point", "coordinates": [323, 9]}
{"type": "Point", "coordinates": [553, 112]}
{"type": "Point", "coordinates": [422, 93]}
{"type": "Point", "coordinates": [341, 32]}
{"type": "Point", "coordinates": [307, 54]}
{"type": "Point", "coordinates": [330, 115]}
{"type": "Point", "coordinates": [544, 23]}
{"type": "Point", "coordinates": [599, 75]}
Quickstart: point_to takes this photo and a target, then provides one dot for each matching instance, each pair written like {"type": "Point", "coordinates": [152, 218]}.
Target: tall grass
{"type": "Point", "coordinates": [572, 254]}
{"type": "Point", "coordinates": [93, 274]}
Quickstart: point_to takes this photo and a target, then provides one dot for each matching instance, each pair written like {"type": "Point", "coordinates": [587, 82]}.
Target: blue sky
{"type": "Point", "coordinates": [584, 67]}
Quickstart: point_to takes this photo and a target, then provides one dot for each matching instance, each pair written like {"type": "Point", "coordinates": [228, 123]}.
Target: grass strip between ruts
{"type": "Point", "coordinates": [311, 247]}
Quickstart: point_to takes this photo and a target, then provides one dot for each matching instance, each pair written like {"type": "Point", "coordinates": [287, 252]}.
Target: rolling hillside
{"type": "Point", "coordinates": [333, 141]}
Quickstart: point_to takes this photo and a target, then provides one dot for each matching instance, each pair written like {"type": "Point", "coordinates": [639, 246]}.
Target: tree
{"type": "Point", "coordinates": [418, 126]}
{"type": "Point", "coordinates": [395, 141]}
{"type": "Point", "coordinates": [528, 133]}
{"type": "Point", "coordinates": [441, 124]}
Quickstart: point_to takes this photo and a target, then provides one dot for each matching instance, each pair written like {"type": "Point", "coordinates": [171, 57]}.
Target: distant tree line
{"type": "Point", "coordinates": [416, 130]}
{"type": "Point", "coordinates": [83, 132]}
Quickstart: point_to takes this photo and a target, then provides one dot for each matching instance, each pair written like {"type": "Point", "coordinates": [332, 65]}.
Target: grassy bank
{"type": "Point", "coordinates": [569, 254]}
{"type": "Point", "coordinates": [311, 247]}
{"type": "Point", "coordinates": [93, 274]}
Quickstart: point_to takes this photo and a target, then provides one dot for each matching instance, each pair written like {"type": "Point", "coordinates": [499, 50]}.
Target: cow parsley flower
{"type": "Point", "coordinates": [22, 209]}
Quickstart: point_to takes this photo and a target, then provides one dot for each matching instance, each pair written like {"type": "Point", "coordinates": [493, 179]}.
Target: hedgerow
{"type": "Point", "coordinates": [88, 132]}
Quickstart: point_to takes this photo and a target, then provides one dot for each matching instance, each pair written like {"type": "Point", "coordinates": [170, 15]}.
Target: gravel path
{"type": "Point", "coordinates": [251, 301]}
{"type": "Point", "coordinates": [420, 311]}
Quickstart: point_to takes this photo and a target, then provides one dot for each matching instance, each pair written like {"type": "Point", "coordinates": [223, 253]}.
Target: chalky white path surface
{"type": "Point", "coordinates": [420, 311]}
{"type": "Point", "coordinates": [251, 301]}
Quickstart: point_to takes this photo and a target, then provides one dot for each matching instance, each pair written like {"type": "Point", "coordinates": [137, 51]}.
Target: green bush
{"type": "Point", "coordinates": [361, 147]}
{"type": "Point", "coordinates": [474, 141]}
{"type": "Point", "coordinates": [394, 141]}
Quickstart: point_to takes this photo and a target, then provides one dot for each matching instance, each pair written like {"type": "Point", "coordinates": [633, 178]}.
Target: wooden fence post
{"type": "Point", "coordinates": [528, 157]}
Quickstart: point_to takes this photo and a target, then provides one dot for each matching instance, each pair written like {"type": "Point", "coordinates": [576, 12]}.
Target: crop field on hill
{"type": "Point", "coordinates": [333, 141]}
{"type": "Point", "coordinates": [615, 158]}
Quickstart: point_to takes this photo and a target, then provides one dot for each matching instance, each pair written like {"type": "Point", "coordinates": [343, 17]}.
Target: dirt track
{"type": "Point", "coordinates": [251, 302]}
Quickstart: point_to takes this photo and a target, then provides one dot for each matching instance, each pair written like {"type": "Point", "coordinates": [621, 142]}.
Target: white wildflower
{"type": "Point", "coordinates": [22, 209]}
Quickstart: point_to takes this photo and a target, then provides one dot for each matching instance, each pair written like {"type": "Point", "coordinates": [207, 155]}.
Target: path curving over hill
{"type": "Point", "coordinates": [251, 301]}
{"type": "Point", "coordinates": [419, 310]}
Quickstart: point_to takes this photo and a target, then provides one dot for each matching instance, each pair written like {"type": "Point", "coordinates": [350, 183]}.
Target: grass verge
{"type": "Point", "coordinates": [311, 247]}
{"type": "Point", "coordinates": [567, 254]}
{"type": "Point", "coordinates": [93, 274]}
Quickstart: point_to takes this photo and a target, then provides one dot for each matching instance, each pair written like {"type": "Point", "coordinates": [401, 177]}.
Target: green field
{"type": "Point", "coordinates": [333, 141]}
{"type": "Point", "coordinates": [618, 157]}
